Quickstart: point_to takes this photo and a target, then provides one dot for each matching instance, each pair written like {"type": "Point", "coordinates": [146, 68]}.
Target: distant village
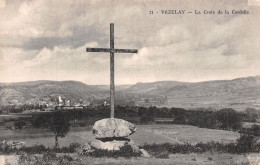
{"type": "Point", "coordinates": [60, 102]}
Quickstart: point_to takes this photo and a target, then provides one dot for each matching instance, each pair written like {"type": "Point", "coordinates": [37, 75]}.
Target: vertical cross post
{"type": "Point", "coordinates": [112, 83]}
{"type": "Point", "coordinates": [112, 51]}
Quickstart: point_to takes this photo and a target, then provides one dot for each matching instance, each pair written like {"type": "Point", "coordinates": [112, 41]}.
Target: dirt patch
{"type": "Point", "coordinates": [9, 159]}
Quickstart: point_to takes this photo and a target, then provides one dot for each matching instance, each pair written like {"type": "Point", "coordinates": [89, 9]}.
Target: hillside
{"type": "Point", "coordinates": [155, 88]}
{"type": "Point", "coordinates": [106, 87]}
{"type": "Point", "coordinates": [238, 93]}
{"type": "Point", "coordinates": [45, 90]}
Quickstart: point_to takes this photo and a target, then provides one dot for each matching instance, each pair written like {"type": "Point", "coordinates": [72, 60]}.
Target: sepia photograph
{"type": "Point", "coordinates": [129, 82]}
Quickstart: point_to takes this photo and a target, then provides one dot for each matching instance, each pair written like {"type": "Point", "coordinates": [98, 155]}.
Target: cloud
{"type": "Point", "coordinates": [45, 39]}
{"type": "Point", "coordinates": [61, 63]}
{"type": "Point", "coordinates": [79, 38]}
{"type": "Point", "coordinates": [42, 57]}
{"type": "Point", "coordinates": [39, 18]}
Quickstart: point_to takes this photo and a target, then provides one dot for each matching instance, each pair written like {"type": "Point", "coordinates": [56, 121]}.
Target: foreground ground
{"type": "Point", "coordinates": [178, 159]}
{"type": "Point", "coordinates": [146, 134]}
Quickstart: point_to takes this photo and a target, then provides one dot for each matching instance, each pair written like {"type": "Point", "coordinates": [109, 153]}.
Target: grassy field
{"type": "Point", "coordinates": [250, 124]}
{"type": "Point", "coordinates": [79, 135]}
{"type": "Point", "coordinates": [218, 102]}
{"type": "Point", "coordinates": [191, 134]}
{"type": "Point", "coordinates": [145, 134]}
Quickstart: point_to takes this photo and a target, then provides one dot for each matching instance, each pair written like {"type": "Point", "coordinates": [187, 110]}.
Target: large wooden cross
{"type": "Point", "coordinates": [112, 50]}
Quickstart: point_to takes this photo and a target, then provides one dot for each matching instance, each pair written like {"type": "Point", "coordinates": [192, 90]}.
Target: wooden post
{"type": "Point", "coordinates": [112, 83]}
{"type": "Point", "coordinates": [112, 51]}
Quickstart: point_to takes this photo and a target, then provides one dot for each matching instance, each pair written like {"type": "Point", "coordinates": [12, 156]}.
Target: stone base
{"type": "Point", "coordinates": [113, 144]}
{"type": "Point", "coordinates": [111, 135]}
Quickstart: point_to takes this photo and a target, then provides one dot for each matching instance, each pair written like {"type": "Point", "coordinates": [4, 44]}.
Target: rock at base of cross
{"type": "Point", "coordinates": [113, 145]}
{"type": "Point", "coordinates": [111, 135]}
{"type": "Point", "coordinates": [110, 146]}
{"type": "Point", "coordinates": [145, 153]}
{"type": "Point", "coordinates": [113, 127]}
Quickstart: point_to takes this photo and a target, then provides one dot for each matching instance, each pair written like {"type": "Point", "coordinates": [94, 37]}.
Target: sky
{"type": "Point", "coordinates": [47, 40]}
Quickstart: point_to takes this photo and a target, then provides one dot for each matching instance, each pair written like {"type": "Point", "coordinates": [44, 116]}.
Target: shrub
{"type": "Point", "coordinates": [18, 110]}
{"type": "Point", "coordinates": [36, 149]}
{"type": "Point", "coordinates": [146, 119]}
{"type": "Point", "coordinates": [73, 147]}
{"type": "Point", "coordinates": [163, 155]}
{"type": "Point", "coordinates": [6, 149]}
{"type": "Point", "coordinates": [229, 119]}
{"type": "Point", "coordinates": [40, 121]}
{"type": "Point", "coordinates": [246, 143]}
{"type": "Point", "coordinates": [83, 124]}
{"type": "Point", "coordinates": [19, 124]}
{"type": "Point", "coordinates": [65, 159]}
{"type": "Point", "coordinates": [161, 151]}
{"type": "Point", "coordinates": [48, 156]}
{"type": "Point", "coordinates": [70, 149]}
{"type": "Point", "coordinates": [125, 151]}
{"type": "Point", "coordinates": [255, 130]}
{"type": "Point", "coordinates": [25, 159]}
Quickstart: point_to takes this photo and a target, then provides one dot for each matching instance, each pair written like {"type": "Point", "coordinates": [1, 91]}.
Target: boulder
{"type": "Point", "coordinates": [113, 127]}
{"type": "Point", "coordinates": [113, 145]}
{"type": "Point", "coordinates": [145, 153]}
{"type": "Point", "coordinates": [85, 149]}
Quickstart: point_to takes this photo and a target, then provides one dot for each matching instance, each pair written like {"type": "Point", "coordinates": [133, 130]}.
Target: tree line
{"type": "Point", "coordinates": [59, 122]}
{"type": "Point", "coordinates": [226, 118]}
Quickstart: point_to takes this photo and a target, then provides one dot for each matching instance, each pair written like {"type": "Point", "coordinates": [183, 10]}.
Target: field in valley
{"type": "Point", "coordinates": [145, 134]}
{"type": "Point", "coordinates": [191, 134]}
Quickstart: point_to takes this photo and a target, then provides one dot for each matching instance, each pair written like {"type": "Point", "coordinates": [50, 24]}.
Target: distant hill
{"type": "Point", "coordinates": [39, 90]}
{"type": "Point", "coordinates": [107, 87]}
{"type": "Point", "coordinates": [238, 93]}
{"type": "Point", "coordinates": [155, 88]}
{"type": "Point", "coordinates": [168, 87]}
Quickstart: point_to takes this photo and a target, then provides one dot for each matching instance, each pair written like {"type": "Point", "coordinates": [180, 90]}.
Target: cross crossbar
{"type": "Point", "coordinates": [112, 50]}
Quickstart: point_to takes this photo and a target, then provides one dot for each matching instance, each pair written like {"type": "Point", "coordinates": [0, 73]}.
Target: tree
{"type": "Point", "coordinates": [255, 129]}
{"type": "Point", "coordinates": [229, 118]}
{"type": "Point", "coordinates": [252, 114]}
{"type": "Point", "coordinates": [19, 124]}
{"type": "Point", "coordinates": [180, 115]}
{"type": "Point", "coordinates": [41, 120]}
{"type": "Point", "coordinates": [59, 125]}
{"type": "Point", "coordinates": [247, 142]}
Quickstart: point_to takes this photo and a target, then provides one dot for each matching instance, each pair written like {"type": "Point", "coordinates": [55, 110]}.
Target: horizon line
{"type": "Point", "coordinates": [130, 84]}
